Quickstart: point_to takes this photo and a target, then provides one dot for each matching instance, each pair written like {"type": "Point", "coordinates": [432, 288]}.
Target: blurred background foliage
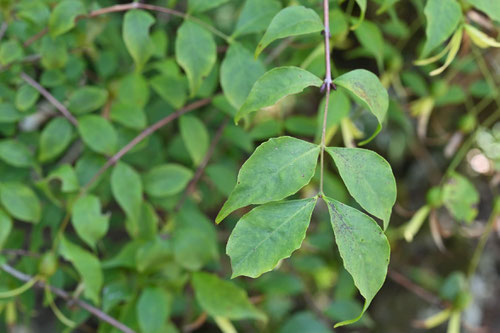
{"type": "Point", "coordinates": [139, 246]}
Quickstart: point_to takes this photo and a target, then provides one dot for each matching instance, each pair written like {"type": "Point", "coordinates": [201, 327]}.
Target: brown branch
{"type": "Point", "coordinates": [196, 324]}
{"type": "Point", "coordinates": [414, 288]}
{"type": "Point", "coordinates": [48, 96]}
{"type": "Point", "coordinates": [201, 168]}
{"type": "Point", "coordinates": [65, 295]}
{"type": "Point", "coordinates": [148, 131]}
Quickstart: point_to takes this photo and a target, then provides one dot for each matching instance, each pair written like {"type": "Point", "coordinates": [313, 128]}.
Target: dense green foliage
{"type": "Point", "coordinates": [140, 140]}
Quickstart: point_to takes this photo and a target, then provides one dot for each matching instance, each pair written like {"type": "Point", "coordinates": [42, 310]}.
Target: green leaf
{"type": "Point", "coordinates": [98, 134]}
{"type": "Point", "coordinates": [238, 73]}
{"type": "Point", "coordinates": [126, 186]}
{"type": "Point", "coordinates": [442, 17]}
{"type": "Point", "coordinates": [362, 7]}
{"type": "Point", "coordinates": [461, 198]}
{"type": "Point", "coordinates": [195, 51]}
{"type": "Point", "coordinates": [5, 227]}
{"type": "Point", "coordinates": [88, 267]}
{"type": "Point", "coordinates": [195, 136]}
{"type": "Point", "coordinates": [167, 179]}
{"type": "Point", "coordinates": [63, 16]}
{"type": "Point", "coordinates": [277, 169]}
{"type": "Point", "coordinates": [172, 88]}
{"type": "Point", "coordinates": [67, 176]}
{"type": "Point", "coordinates": [274, 85]}
{"type": "Point", "coordinates": [87, 99]}
{"type": "Point", "coordinates": [290, 21]}
{"type": "Point", "coordinates": [364, 250]}
{"type": "Point", "coordinates": [194, 239]}
{"type": "Point", "coordinates": [368, 178]}
{"type": "Point", "coordinates": [256, 16]}
{"type": "Point", "coordinates": [490, 8]}
{"type": "Point", "coordinates": [88, 221]}
{"type": "Point", "coordinates": [15, 153]}
{"type": "Point", "coordinates": [136, 36]}
{"type": "Point", "coordinates": [153, 309]}
{"type": "Point", "coordinates": [9, 114]}
{"type": "Point", "coordinates": [134, 90]}
{"type": "Point", "coordinates": [367, 89]}
{"type": "Point", "coordinates": [26, 97]}
{"type": "Point", "coordinates": [10, 51]}
{"type": "Point", "coordinates": [268, 234]}
{"type": "Point", "coordinates": [221, 298]}
{"type": "Point", "coordinates": [370, 37]}
{"type": "Point", "coordinates": [54, 52]}
{"type": "Point", "coordinates": [21, 202]}
{"type": "Point", "coordinates": [55, 138]}
{"type": "Point", "coordinates": [128, 115]}
{"type": "Point", "coordinates": [198, 6]}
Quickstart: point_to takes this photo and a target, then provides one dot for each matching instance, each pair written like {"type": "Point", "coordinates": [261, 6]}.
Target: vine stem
{"type": "Point", "coordinates": [327, 86]}
{"type": "Point", "coordinates": [63, 294]}
{"type": "Point", "coordinates": [138, 5]}
{"type": "Point", "coordinates": [48, 96]}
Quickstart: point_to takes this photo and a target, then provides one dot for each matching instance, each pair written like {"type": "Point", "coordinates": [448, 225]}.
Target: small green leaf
{"type": "Point", "coordinates": [194, 238]}
{"type": "Point", "coordinates": [290, 21]}
{"type": "Point", "coordinates": [367, 89]}
{"type": "Point", "coordinates": [277, 169]}
{"type": "Point", "coordinates": [126, 186]}
{"type": "Point", "coordinates": [128, 115]}
{"type": "Point", "coordinates": [371, 38]}
{"type": "Point", "coordinates": [136, 36]}
{"type": "Point", "coordinates": [9, 114]}
{"type": "Point", "coordinates": [238, 73]}
{"type": "Point", "coordinates": [153, 309]}
{"type": "Point", "coordinates": [10, 51]}
{"type": "Point", "coordinates": [195, 136]}
{"type": "Point", "coordinates": [26, 97]}
{"type": "Point", "coordinates": [221, 298]}
{"type": "Point", "coordinates": [87, 99]}
{"type": "Point", "coordinates": [90, 224]}
{"type": "Point", "coordinates": [55, 138]}
{"type": "Point", "coordinates": [21, 202]}
{"type": "Point", "coordinates": [54, 52]}
{"type": "Point", "coordinates": [362, 7]}
{"type": "Point", "coordinates": [461, 198]}
{"type": "Point", "coordinates": [167, 179]}
{"type": "Point", "coordinates": [442, 17]}
{"type": "Point", "coordinates": [67, 176]}
{"type": "Point", "coordinates": [15, 153]}
{"type": "Point", "coordinates": [88, 267]}
{"type": "Point", "coordinates": [98, 134]}
{"type": "Point", "coordinates": [133, 90]}
{"type": "Point", "coordinates": [268, 234]}
{"type": "Point", "coordinates": [368, 178]}
{"type": "Point", "coordinates": [276, 84]}
{"type": "Point", "coordinates": [172, 88]}
{"type": "Point", "coordinates": [5, 227]}
{"type": "Point", "coordinates": [199, 6]}
{"type": "Point", "coordinates": [256, 16]}
{"type": "Point", "coordinates": [195, 51]}
{"type": "Point", "coordinates": [63, 16]}
{"type": "Point", "coordinates": [364, 250]}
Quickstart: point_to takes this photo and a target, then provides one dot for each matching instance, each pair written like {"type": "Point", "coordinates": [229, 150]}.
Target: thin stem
{"type": "Point", "coordinates": [201, 168]}
{"type": "Point", "coordinates": [138, 5]}
{"type": "Point", "coordinates": [49, 97]}
{"type": "Point", "coordinates": [63, 294]}
{"type": "Point", "coordinates": [327, 85]}
{"type": "Point", "coordinates": [474, 262]}
{"type": "Point", "coordinates": [144, 134]}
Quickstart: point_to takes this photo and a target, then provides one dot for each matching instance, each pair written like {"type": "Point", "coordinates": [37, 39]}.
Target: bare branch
{"type": "Point", "coordinates": [65, 295]}
{"type": "Point", "coordinates": [45, 93]}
